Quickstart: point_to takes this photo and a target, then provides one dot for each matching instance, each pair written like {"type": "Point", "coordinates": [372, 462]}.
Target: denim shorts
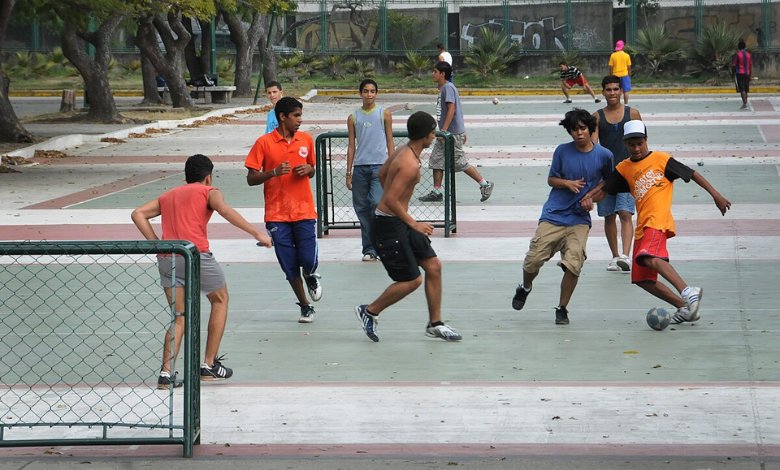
{"type": "Point", "coordinates": [614, 203]}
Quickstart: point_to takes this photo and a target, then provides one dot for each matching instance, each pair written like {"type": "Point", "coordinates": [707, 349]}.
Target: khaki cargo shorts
{"type": "Point", "coordinates": [570, 241]}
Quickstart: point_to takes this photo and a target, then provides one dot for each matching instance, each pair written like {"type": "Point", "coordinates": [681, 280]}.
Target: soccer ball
{"type": "Point", "coordinates": [658, 318]}
{"type": "Point", "coordinates": [495, 100]}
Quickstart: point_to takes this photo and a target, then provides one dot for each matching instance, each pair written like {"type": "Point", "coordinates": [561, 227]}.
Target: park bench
{"type": "Point", "coordinates": [209, 94]}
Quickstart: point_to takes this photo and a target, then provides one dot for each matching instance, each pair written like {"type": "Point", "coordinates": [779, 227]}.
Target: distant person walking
{"type": "Point", "coordinates": [449, 113]}
{"type": "Point", "coordinates": [620, 66]}
{"type": "Point", "coordinates": [444, 56]}
{"type": "Point", "coordinates": [570, 76]}
{"type": "Point", "coordinates": [742, 65]}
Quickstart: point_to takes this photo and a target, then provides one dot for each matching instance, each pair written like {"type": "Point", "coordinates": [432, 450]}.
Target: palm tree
{"type": "Point", "coordinates": [657, 48]}
{"type": "Point", "coordinates": [713, 49]}
{"type": "Point", "coordinates": [492, 54]}
{"type": "Point", "coordinates": [415, 66]}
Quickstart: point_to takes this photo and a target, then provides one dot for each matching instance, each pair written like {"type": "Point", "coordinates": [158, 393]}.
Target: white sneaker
{"type": "Point", "coordinates": [680, 316]}
{"type": "Point", "coordinates": [442, 331]}
{"type": "Point", "coordinates": [624, 263]}
{"type": "Point", "coordinates": [613, 265]}
{"type": "Point", "coordinates": [370, 257]}
{"type": "Point", "coordinates": [314, 286]}
{"type": "Point", "coordinates": [692, 299]}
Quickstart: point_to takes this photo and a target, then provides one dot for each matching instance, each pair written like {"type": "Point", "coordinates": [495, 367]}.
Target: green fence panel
{"type": "Point", "coordinates": [83, 326]}
{"type": "Point", "coordinates": [334, 200]}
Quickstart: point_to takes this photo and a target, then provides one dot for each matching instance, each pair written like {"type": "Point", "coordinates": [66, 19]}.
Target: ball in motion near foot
{"type": "Point", "coordinates": [495, 100]}
{"type": "Point", "coordinates": [658, 318]}
{"type": "Point", "coordinates": [409, 106]}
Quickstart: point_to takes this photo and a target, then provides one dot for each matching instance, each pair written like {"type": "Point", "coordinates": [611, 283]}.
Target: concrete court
{"type": "Point", "coordinates": [604, 392]}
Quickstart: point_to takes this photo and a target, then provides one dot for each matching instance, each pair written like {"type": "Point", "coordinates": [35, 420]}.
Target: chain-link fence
{"type": "Point", "coordinates": [82, 331]}
{"type": "Point", "coordinates": [334, 200]}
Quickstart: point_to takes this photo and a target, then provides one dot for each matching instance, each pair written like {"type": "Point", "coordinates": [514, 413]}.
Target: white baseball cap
{"type": "Point", "coordinates": [634, 129]}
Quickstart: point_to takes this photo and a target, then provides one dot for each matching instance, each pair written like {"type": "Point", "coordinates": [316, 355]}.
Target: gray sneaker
{"type": "Point", "coordinates": [442, 331]}
{"type": "Point", "coordinates": [486, 191]}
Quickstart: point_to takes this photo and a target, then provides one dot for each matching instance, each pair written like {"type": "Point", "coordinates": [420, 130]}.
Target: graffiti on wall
{"type": "Point", "coordinates": [683, 27]}
{"type": "Point", "coordinates": [541, 34]}
{"type": "Point", "coordinates": [343, 34]}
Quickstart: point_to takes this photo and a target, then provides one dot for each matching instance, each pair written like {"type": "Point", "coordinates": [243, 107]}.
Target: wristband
{"type": "Point", "coordinates": [349, 175]}
{"type": "Point", "coordinates": [274, 171]}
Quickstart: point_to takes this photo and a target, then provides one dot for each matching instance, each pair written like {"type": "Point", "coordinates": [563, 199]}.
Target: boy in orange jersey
{"type": "Point", "coordinates": [283, 162]}
{"type": "Point", "coordinates": [649, 176]}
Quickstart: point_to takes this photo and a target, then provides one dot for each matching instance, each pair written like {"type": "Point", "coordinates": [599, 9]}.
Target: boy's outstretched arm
{"type": "Point", "coordinates": [720, 201]}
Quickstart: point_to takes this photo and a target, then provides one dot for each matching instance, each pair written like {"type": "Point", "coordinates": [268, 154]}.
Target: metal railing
{"type": "Point", "coordinates": [334, 200]}
{"type": "Point", "coordinates": [82, 327]}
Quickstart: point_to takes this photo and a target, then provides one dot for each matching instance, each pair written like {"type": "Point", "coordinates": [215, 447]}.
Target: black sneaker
{"type": "Point", "coordinates": [433, 196]}
{"type": "Point", "coordinates": [567, 102]}
{"type": "Point", "coordinates": [314, 286]}
{"type": "Point", "coordinates": [561, 316]}
{"type": "Point", "coordinates": [167, 383]}
{"type": "Point", "coordinates": [216, 372]}
{"type": "Point", "coordinates": [518, 301]}
{"type": "Point", "coordinates": [598, 100]}
{"type": "Point", "coordinates": [368, 321]}
{"type": "Point", "coordinates": [307, 313]}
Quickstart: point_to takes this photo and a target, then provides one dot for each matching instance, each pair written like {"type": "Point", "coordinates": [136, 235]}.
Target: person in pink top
{"type": "Point", "coordinates": [185, 212]}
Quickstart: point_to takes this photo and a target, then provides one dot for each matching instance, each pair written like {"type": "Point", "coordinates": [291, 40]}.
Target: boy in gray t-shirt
{"type": "Point", "coordinates": [449, 114]}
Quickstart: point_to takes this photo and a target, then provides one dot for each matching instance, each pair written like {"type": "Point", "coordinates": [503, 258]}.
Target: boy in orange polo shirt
{"type": "Point", "coordinates": [649, 176]}
{"type": "Point", "coordinates": [283, 162]}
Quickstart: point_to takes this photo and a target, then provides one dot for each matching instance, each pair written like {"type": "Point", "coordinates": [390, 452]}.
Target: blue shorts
{"type": "Point", "coordinates": [614, 203]}
{"type": "Point", "coordinates": [625, 83]}
{"type": "Point", "coordinates": [295, 244]}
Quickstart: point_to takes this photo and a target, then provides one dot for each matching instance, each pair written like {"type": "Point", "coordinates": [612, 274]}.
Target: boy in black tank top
{"type": "Point", "coordinates": [609, 133]}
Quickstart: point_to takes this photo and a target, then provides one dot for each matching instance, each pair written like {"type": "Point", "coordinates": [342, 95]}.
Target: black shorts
{"type": "Point", "coordinates": [742, 82]}
{"type": "Point", "coordinates": [399, 247]}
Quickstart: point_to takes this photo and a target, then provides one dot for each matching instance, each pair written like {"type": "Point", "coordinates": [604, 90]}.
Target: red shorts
{"type": "Point", "coordinates": [653, 243]}
{"type": "Point", "coordinates": [576, 81]}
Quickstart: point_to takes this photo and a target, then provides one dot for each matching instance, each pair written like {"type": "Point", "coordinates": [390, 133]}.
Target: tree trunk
{"type": "Point", "coordinates": [11, 130]}
{"type": "Point", "coordinates": [151, 95]}
{"type": "Point", "coordinates": [245, 41]}
{"type": "Point", "coordinates": [191, 57]}
{"type": "Point", "coordinates": [94, 71]}
{"type": "Point", "coordinates": [168, 64]}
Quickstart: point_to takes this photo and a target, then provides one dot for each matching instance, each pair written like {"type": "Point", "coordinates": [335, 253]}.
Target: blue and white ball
{"type": "Point", "coordinates": [658, 318]}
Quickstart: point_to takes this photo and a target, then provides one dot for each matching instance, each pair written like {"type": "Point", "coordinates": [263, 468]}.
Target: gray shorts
{"type": "Point", "coordinates": [211, 276]}
{"type": "Point", "coordinates": [436, 162]}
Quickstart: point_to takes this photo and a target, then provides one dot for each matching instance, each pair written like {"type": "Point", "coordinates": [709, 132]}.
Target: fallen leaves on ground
{"type": "Point", "coordinates": [50, 154]}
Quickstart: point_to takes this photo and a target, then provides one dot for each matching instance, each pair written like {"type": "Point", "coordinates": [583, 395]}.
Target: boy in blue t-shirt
{"type": "Point", "coordinates": [577, 167]}
{"type": "Point", "coordinates": [273, 91]}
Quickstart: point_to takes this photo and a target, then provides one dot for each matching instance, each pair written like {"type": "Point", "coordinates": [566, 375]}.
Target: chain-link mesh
{"type": "Point", "coordinates": [334, 204]}
{"type": "Point", "coordinates": [83, 326]}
